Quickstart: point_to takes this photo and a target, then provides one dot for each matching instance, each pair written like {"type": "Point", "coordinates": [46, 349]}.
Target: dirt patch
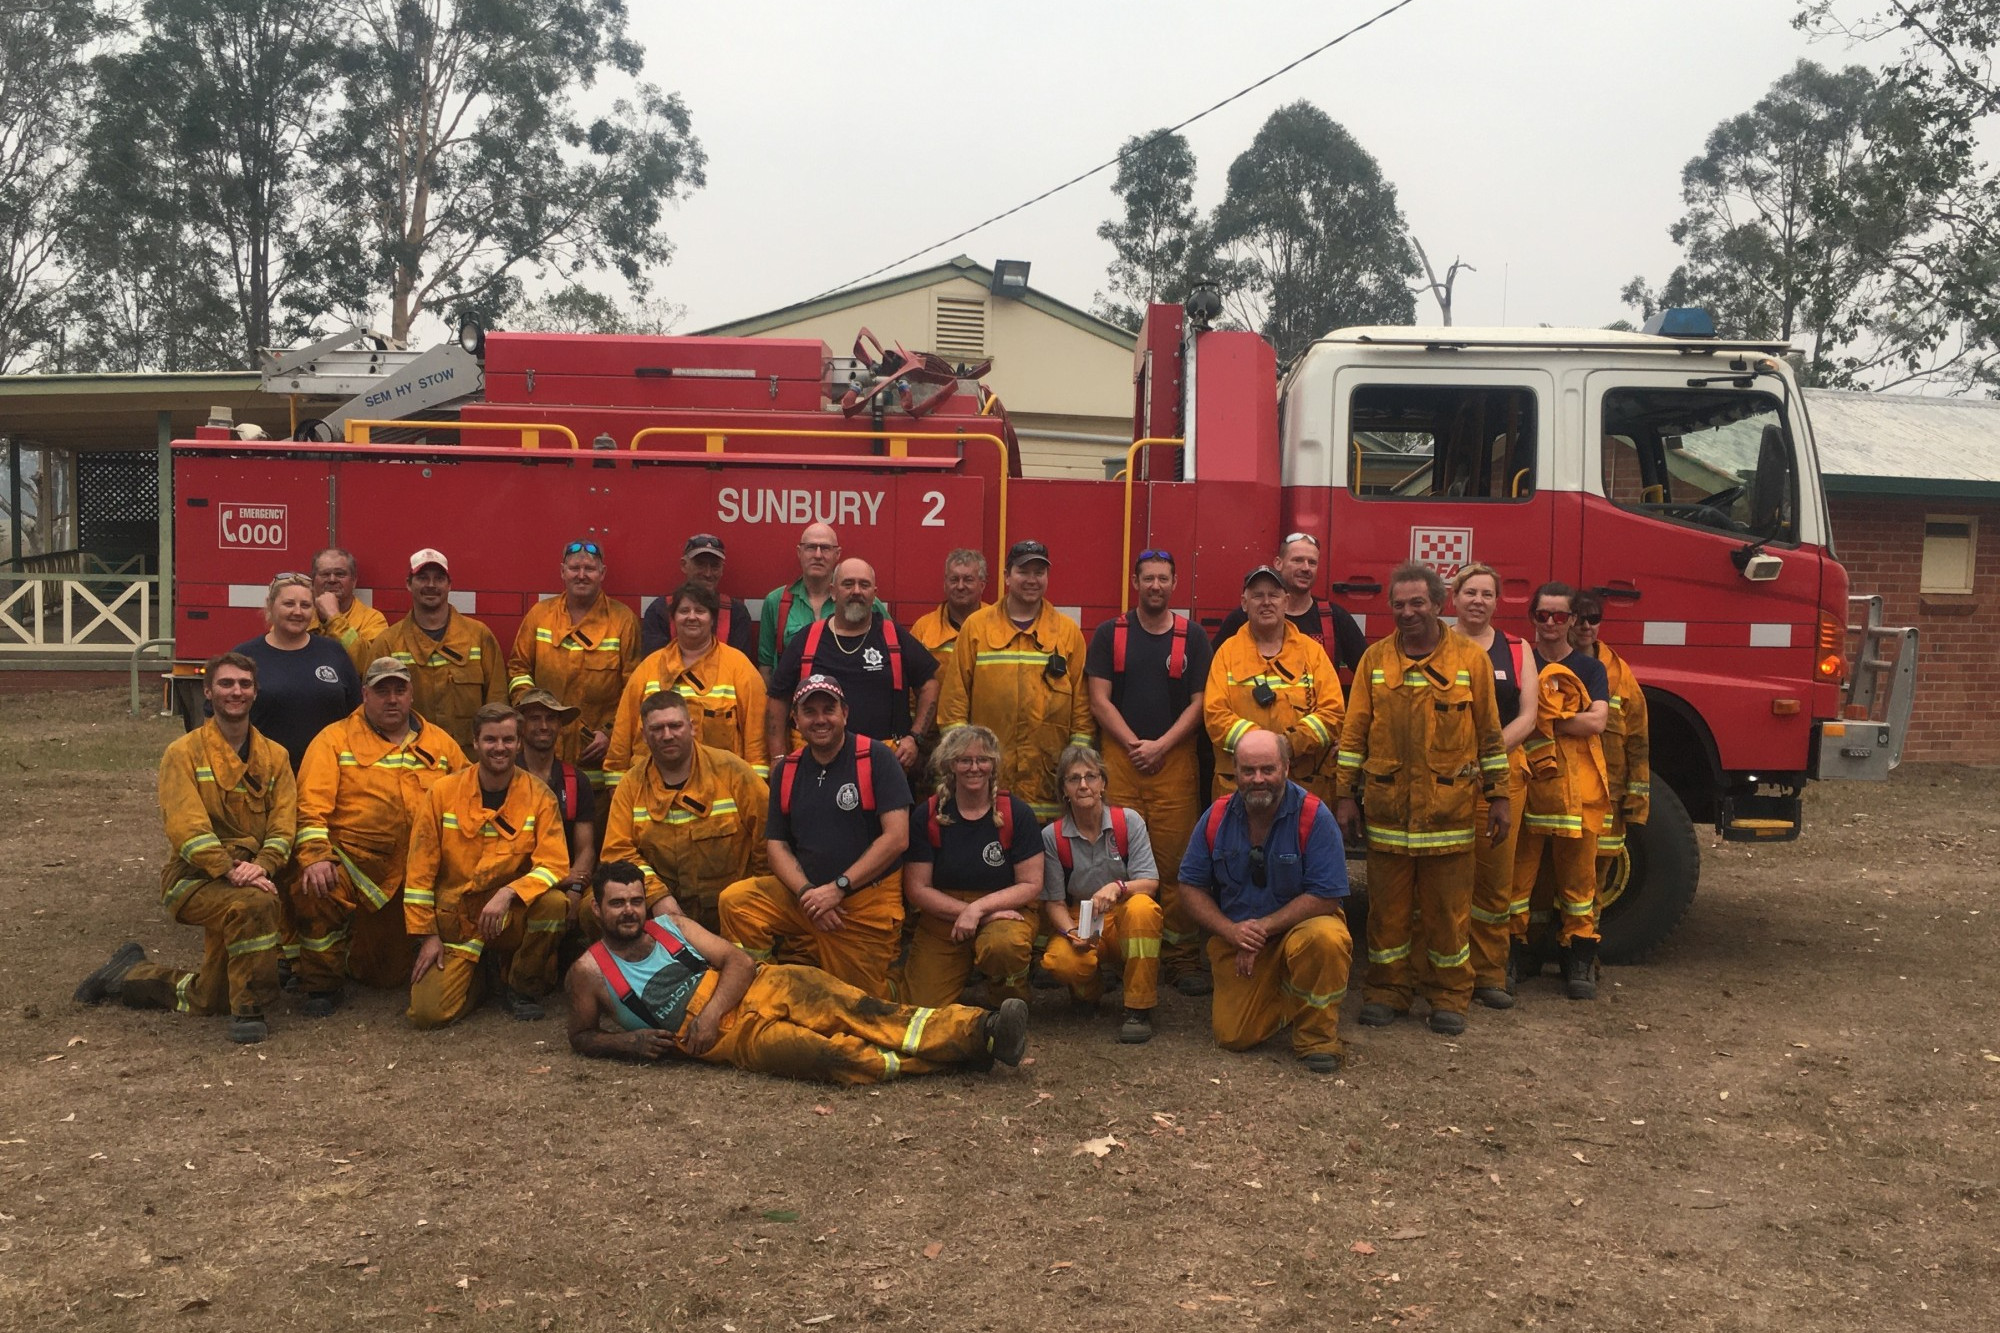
{"type": "Point", "coordinates": [1787, 1120]}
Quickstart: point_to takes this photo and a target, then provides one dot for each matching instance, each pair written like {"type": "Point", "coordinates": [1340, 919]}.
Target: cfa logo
{"type": "Point", "coordinates": [871, 659]}
{"type": "Point", "coordinates": [327, 674]}
{"type": "Point", "coordinates": [848, 797]}
{"type": "Point", "coordinates": [1443, 549]}
{"type": "Point", "coordinates": [992, 854]}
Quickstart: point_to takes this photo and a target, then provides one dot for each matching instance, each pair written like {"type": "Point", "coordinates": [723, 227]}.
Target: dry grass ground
{"type": "Point", "coordinates": [1789, 1120]}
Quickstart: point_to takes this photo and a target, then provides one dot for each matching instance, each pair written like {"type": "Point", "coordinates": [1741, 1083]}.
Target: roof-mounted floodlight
{"type": "Point", "coordinates": [1681, 321]}
{"type": "Point", "coordinates": [1010, 278]}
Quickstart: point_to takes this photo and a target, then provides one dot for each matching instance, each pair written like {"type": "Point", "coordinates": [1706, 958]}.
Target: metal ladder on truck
{"type": "Point", "coordinates": [1866, 741]}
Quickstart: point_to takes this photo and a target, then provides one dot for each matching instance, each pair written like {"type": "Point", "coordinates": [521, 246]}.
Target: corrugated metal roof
{"type": "Point", "coordinates": [1906, 437]}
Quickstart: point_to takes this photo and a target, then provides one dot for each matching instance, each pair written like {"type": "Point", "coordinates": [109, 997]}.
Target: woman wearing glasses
{"type": "Point", "coordinates": [725, 693]}
{"type": "Point", "coordinates": [1101, 856]}
{"type": "Point", "coordinates": [579, 645]}
{"type": "Point", "coordinates": [973, 875]}
{"type": "Point", "coordinates": [305, 681]}
{"type": "Point", "coordinates": [1566, 794]}
{"type": "Point", "coordinates": [1475, 595]}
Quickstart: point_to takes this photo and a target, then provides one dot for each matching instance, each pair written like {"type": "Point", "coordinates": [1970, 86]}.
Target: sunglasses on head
{"type": "Point", "coordinates": [584, 548]}
{"type": "Point", "coordinates": [1291, 537]}
{"type": "Point", "coordinates": [1144, 556]}
{"type": "Point", "coordinates": [1552, 617]}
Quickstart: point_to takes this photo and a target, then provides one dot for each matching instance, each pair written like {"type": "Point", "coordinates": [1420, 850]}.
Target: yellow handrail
{"type": "Point", "coordinates": [358, 431]}
{"type": "Point", "coordinates": [898, 448]}
{"type": "Point", "coordinates": [1125, 554]}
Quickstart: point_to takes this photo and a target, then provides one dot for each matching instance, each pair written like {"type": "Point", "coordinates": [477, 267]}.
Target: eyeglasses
{"type": "Point", "coordinates": [817, 548]}
{"type": "Point", "coordinates": [1257, 866]}
{"type": "Point", "coordinates": [973, 761]}
{"type": "Point", "coordinates": [1552, 617]}
{"type": "Point", "coordinates": [1291, 537]}
{"type": "Point", "coordinates": [584, 548]}
{"type": "Point", "coordinates": [1590, 618]}
{"type": "Point", "coordinates": [1086, 778]}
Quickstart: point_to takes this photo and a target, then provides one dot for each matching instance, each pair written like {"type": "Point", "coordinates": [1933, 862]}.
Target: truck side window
{"type": "Point", "coordinates": [1441, 442]}
{"type": "Point", "coordinates": [1716, 458]}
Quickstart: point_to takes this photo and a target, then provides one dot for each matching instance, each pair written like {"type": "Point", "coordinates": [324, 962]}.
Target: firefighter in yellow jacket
{"type": "Point", "coordinates": [579, 645]}
{"type": "Point", "coordinates": [1017, 670]}
{"type": "Point", "coordinates": [1421, 741]}
{"type": "Point", "coordinates": [360, 783]}
{"type": "Point", "coordinates": [456, 667]}
{"type": "Point", "coordinates": [341, 615]}
{"type": "Point", "coordinates": [1567, 798]}
{"type": "Point", "coordinates": [964, 584]}
{"type": "Point", "coordinates": [229, 804]}
{"type": "Point", "coordinates": [485, 849]}
{"type": "Point", "coordinates": [1269, 675]}
{"type": "Point", "coordinates": [1627, 740]}
{"type": "Point", "coordinates": [690, 816]}
{"type": "Point", "coordinates": [724, 692]}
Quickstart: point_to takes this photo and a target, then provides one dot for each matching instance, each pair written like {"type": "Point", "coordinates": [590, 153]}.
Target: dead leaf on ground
{"type": "Point", "coordinates": [1362, 1247]}
{"type": "Point", "coordinates": [1097, 1147]}
{"type": "Point", "coordinates": [192, 1303]}
{"type": "Point", "coordinates": [1061, 1264]}
{"type": "Point", "coordinates": [822, 1110]}
{"type": "Point", "coordinates": [79, 1041]}
{"type": "Point", "coordinates": [1407, 1233]}
{"type": "Point", "coordinates": [817, 1319]}
{"type": "Point", "coordinates": [934, 1249]}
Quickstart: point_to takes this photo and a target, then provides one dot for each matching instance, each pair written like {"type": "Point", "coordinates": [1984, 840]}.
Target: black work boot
{"type": "Point", "coordinates": [1580, 970]}
{"type": "Point", "coordinates": [519, 1006]}
{"type": "Point", "coordinates": [1518, 964]}
{"type": "Point", "coordinates": [1137, 1029]}
{"type": "Point", "coordinates": [1007, 1031]}
{"type": "Point", "coordinates": [108, 981]}
{"type": "Point", "coordinates": [320, 1003]}
{"type": "Point", "coordinates": [248, 1029]}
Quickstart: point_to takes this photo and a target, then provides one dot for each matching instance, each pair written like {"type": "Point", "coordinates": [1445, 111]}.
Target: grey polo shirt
{"type": "Point", "coordinates": [1096, 859]}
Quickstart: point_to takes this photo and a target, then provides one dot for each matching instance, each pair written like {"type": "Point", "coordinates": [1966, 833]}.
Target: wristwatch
{"type": "Point", "coordinates": [843, 883]}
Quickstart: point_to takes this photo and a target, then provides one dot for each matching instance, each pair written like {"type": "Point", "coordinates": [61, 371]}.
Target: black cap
{"type": "Point", "coordinates": [1262, 572]}
{"type": "Point", "coordinates": [1022, 552]}
{"type": "Point", "coordinates": [703, 541]}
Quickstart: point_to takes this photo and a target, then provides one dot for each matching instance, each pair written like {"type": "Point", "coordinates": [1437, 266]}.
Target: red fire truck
{"type": "Point", "coordinates": [1671, 471]}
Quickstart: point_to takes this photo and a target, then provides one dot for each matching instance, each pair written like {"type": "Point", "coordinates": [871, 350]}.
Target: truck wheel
{"type": "Point", "coordinates": [1651, 886]}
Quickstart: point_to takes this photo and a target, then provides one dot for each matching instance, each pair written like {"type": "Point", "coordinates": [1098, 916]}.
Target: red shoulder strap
{"type": "Point", "coordinates": [785, 787]}
{"type": "Point", "coordinates": [811, 650]}
{"type": "Point", "coordinates": [1213, 824]}
{"type": "Point", "coordinates": [1520, 651]}
{"type": "Point", "coordinates": [722, 624]}
{"type": "Point", "coordinates": [1064, 854]}
{"type": "Point", "coordinates": [784, 618]}
{"type": "Point", "coordinates": [864, 771]}
{"type": "Point", "coordinates": [931, 822]}
{"type": "Point", "coordinates": [1177, 653]}
{"type": "Point", "coordinates": [1121, 837]}
{"type": "Point", "coordinates": [1308, 812]}
{"type": "Point", "coordinates": [1118, 633]}
{"type": "Point", "coordinates": [895, 654]}
{"type": "Point", "coordinates": [669, 941]}
{"type": "Point", "coordinates": [572, 791]}
{"type": "Point", "coordinates": [1003, 817]}
{"type": "Point", "coordinates": [614, 975]}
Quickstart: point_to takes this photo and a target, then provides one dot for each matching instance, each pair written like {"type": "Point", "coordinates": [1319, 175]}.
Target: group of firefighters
{"type": "Point", "coordinates": [816, 843]}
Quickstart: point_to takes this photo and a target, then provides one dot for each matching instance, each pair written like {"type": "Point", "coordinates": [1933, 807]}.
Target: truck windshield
{"type": "Point", "coordinates": [1719, 458]}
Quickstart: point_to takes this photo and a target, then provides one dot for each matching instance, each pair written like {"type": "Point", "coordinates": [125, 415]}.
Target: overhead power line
{"type": "Point", "coordinates": [1135, 148]}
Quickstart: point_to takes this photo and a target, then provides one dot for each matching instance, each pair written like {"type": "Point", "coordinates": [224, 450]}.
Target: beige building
{"type": "Point", "coordinates": [1064, 375]}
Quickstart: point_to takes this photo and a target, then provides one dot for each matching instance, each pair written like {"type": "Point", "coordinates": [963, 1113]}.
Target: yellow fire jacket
{"type": "Point", "coordinates": [220, 809]}
{"type": "Point", "coordinates": [356, 630]}
{"type": "Point", "coordinates": [461, 853]}
{"type": "Point", "coordinates": [1306, 706]}
{"type": "Point", "coordinates": [1001, 678]}
{"type": "Point", "coordinates": [1627, 741]}
{"type": "Point", "coordinates": [725, 698]}
{"type": "Point", "coordinates": [1421, 741]}
{"type": "Point", "coordinates": [695, 840]}
{"type": "Point", "coordinates": [451, 677]}
{"type": "Point", "coordinates": [1565, 774]}
{"type": "Point", "coordinates": [935, 632]}
{"type": "Point", "coordinates": [584, 662]}
{"type": "Point", "coordinates": [358, 794]}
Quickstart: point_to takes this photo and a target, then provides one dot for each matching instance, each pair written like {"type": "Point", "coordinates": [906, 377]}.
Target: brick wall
{"type": "Point", "coordinates": [1881, 542]}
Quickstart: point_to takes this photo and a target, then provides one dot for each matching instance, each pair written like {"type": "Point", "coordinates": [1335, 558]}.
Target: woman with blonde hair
{"type": "Point", "coordinates": [972, 876]}
{"type": "Point", "coordinates": [306, 682]}
{"type": "Point", "coordinates": [1099, 856]}
{"type": "Point", "coordinates": [1475, 595]}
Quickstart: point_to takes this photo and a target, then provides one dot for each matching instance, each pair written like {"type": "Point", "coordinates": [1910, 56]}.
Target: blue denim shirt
{"type": "Point", "coordinates": [1225, 872]}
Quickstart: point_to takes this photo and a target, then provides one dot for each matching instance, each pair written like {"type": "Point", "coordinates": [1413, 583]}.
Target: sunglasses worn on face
{"type": "Point", "coordinates": [1552, 617]}
{"type": "Point", "coordinates": [1589, 619]}
{"type": "Point", "coordinates": [584, 548]}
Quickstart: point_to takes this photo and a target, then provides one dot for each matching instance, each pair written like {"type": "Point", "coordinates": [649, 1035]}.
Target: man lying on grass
{"type": "Point", "coordinates": [667, 986]}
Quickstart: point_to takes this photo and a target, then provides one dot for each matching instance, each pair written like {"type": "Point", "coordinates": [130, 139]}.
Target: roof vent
{"type": "Point", "coordinates": [959, 332]}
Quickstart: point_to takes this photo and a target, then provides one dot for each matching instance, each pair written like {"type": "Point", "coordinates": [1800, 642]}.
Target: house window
{"type": "Point", "coordinates": [1949, 542]}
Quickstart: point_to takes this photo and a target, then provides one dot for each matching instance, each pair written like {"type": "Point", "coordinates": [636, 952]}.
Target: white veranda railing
{"type": "Point", "coordinates": [51, 614]}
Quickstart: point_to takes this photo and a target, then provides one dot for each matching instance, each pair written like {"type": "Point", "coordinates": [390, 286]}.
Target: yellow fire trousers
{"type": "Point", "coordinates": [1574, 863]}
{"type": "Point", "coordinates": [1427, 901]}
{"type": "Point", "coordinates": [1169, 802]}
{"type": "Point", "coordinates": [343, 934]}
{"type": "Point", "coordinates": [1493, 887]}
{"type": "Point", "coordinates": [761, 917]}
{"type": "Point", "coordinates": [1300, 980]}
{"type": "Point", "coordinates": [1130, 942]}
{"type": "Point", "coordinates": [940, 966]}
{"type": "Point", "coordinates": [239, 961]}
{"type": "Point", "coordinates": [800, 1022]}
{"type": "Point", "coordinates": [523, 956]}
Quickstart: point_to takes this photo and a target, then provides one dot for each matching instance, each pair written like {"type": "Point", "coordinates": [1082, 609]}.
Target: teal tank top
{"type": "Point", "coordinates": [663, 981]}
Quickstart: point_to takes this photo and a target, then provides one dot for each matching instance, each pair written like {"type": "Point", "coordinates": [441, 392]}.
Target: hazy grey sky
{"type": "Point", "coordinates": [1540, 140]}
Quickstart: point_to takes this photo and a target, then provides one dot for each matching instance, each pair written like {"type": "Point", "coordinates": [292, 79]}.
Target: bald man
{"type": "Point", "coordinates": [890, 677]}
{"type": "Point", "coordinates": [787, 610]}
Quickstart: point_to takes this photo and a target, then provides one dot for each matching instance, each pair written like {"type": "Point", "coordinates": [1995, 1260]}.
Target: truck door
{"type": "Point", "coordinates": [1685, 482]}
{"type": "Point", "coordinates": [1444, 466]}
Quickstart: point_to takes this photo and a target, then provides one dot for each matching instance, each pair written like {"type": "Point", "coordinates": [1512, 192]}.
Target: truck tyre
{"type": "Point", "coordinates": [1652, 885]}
